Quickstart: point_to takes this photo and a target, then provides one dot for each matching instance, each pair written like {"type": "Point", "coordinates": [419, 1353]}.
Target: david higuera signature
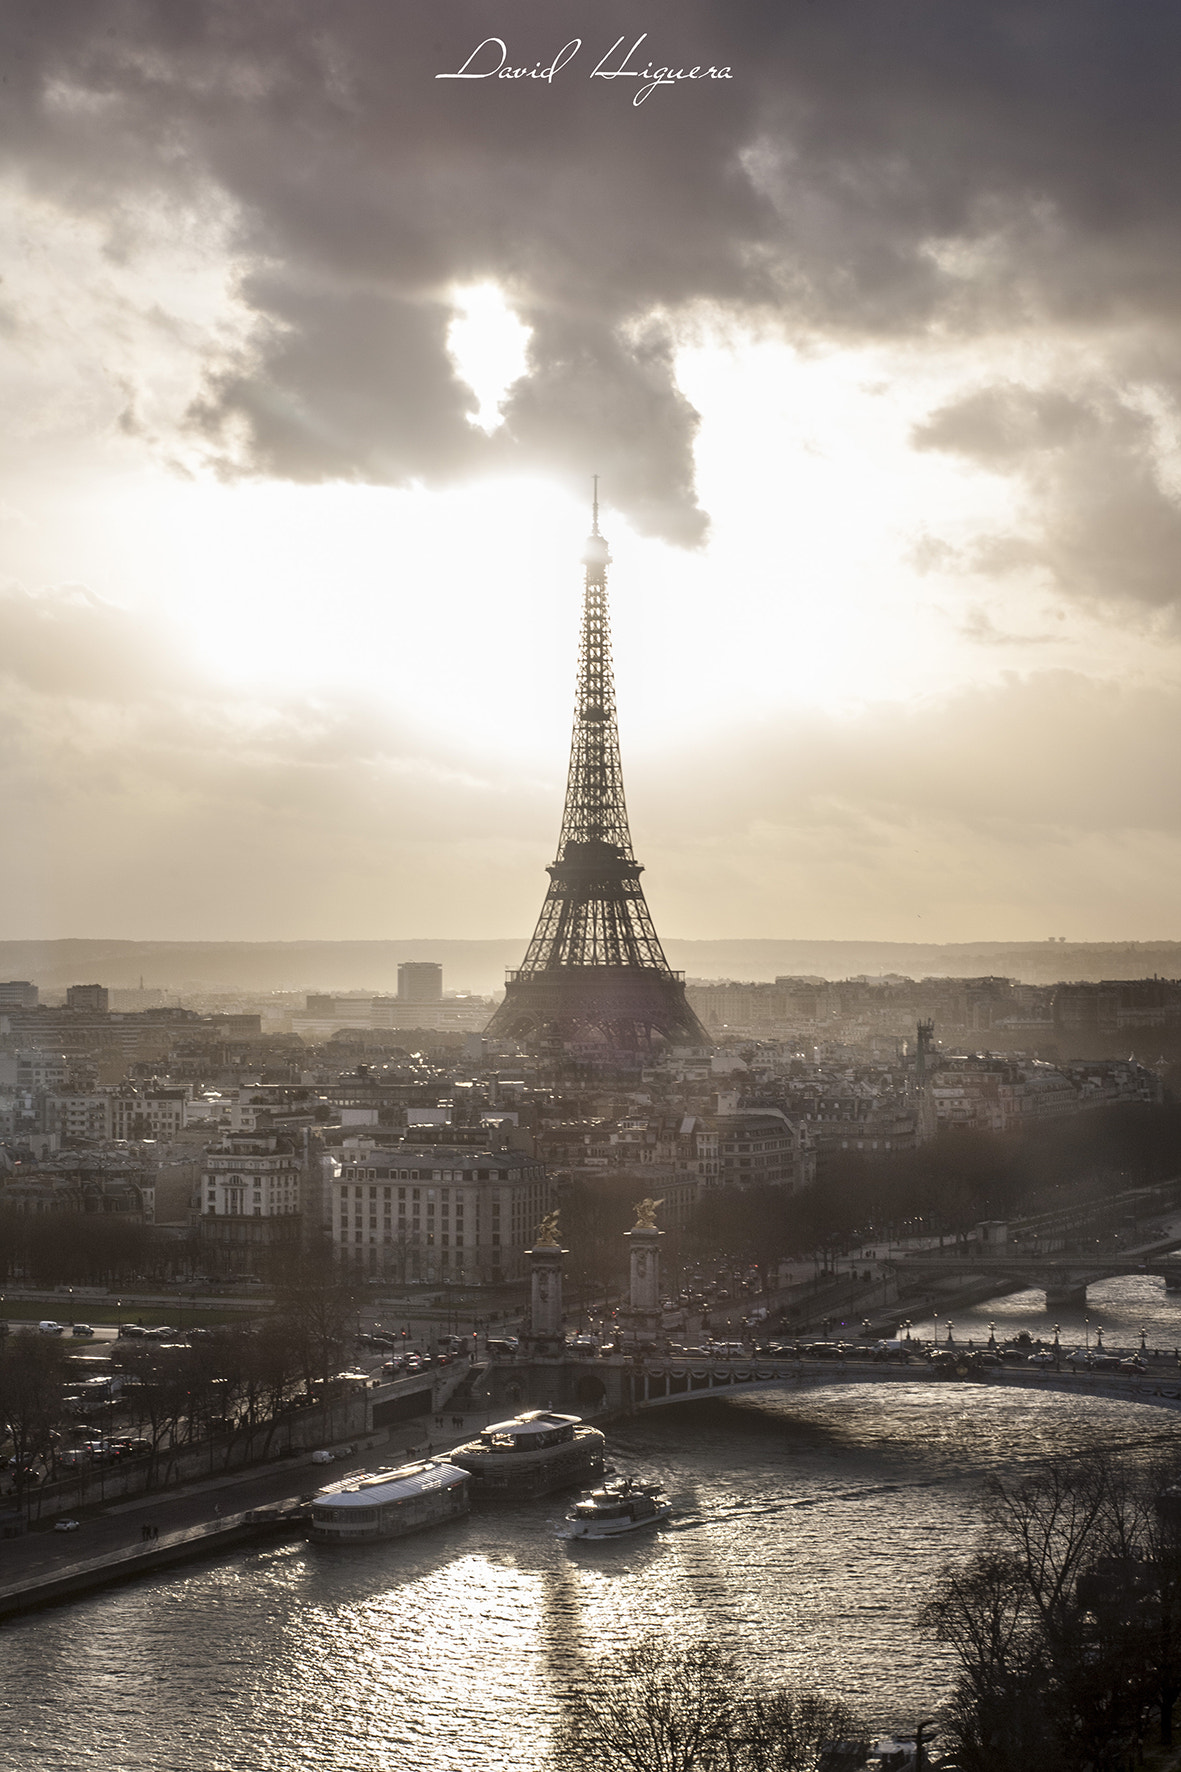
{"type": "Point", "coordinates": [489, 60]}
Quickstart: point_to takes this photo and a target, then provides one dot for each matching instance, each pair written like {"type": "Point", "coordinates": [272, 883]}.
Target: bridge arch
{"type": "Point", "coordinates": [658, 1384]}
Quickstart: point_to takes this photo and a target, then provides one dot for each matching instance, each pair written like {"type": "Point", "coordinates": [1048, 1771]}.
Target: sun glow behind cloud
{"type": "Point", "coordinates": [489, 346]}
{"type": "Point", "coordinates": [459, 608]}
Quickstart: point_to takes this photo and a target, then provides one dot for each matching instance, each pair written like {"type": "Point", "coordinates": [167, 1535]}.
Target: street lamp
{"type": "Point", "coordinates": [1143, 1341]}
{"type": "Point", "coordinates": [918, 1742]}
{"type": "Point", "coordinates": [950, 1337]}
{"type": "Point", "coordinates": [992, 1335]}
{"type": "Point", "coordinates": [1087, 1333]}
{"type": "Point", "coordinates": [1099, 1337]}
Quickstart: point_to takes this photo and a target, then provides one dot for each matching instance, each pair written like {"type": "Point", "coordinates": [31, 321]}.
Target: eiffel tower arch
{"type": "Point", "coordinates": [594, 973]}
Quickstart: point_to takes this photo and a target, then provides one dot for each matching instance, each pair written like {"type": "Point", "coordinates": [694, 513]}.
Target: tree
{"type": "Point", "coordinates": [1067, 1623]}
{"type": "Point", "coordinates": [662, 1708]}
{"type": "Point", "coordinates": [318, 1301]}
{"type": "Point", "coordinates": [32, 1374]}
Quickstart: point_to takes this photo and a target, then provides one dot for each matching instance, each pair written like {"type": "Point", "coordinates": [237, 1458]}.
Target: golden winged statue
{"type": "Point", "coordinates": [646, 1215]}
{"type": "Point", "coordinates": [546, 1234]}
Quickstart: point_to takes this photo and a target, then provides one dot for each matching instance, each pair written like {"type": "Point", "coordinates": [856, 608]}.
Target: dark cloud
{"type": "Point", "coordinates": [1000, 426]}
{"type": "Point", "coordinates": [1100, 520]}
{"type": "Point", "coordinates": [877, 169]}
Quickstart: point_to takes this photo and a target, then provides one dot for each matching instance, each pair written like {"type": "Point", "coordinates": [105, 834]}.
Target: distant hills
{"type": "Point", "coordinates": [264, 966]}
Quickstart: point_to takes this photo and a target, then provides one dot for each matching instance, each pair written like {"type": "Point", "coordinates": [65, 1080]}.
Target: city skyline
{"type": "Point", "coordinates": [309, 355]}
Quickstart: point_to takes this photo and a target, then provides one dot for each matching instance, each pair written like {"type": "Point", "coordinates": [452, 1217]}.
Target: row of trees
{"type": "Point", "coordinates": [232, 1383]}
{"type": "Point", "coordinates": [1066, 1621]}
{"type": "Point", "coordinates": [68, 1248]}
{"type": "Point", "coordinates": [950, 1183]}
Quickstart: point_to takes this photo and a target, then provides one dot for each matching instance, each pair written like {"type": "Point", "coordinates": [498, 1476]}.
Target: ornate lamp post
{"type": "Point", "coordinates": [950, 1337]}
{"type": "Point", "coordinates": [1143, 1341]}
{"type": "Point", "coordinates": [992, 1335]}
{"type": "Point", "coordinates": [1099, 1338]}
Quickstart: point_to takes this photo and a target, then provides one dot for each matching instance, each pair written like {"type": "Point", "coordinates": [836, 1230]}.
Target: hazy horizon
{"type": "Point", "coordinates": [479, 966]}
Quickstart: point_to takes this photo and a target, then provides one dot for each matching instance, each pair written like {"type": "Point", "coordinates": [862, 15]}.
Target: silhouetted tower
{"type": "Point", "coordinates": [922, 1050]}
{"type": "Point", "coordinates": [595, 971]}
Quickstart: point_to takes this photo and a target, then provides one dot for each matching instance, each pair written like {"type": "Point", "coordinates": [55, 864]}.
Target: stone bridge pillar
{"type": "Point", "coordinates": [642, 1317]}
{"type": "Point", "coordinates": [546, 1333]}
{"type": "Point", "coordinates": [1064, 1294]}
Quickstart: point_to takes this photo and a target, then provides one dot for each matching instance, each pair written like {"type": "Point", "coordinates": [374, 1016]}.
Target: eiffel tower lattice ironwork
{"type": "Point", "coordinates": [595, 971]}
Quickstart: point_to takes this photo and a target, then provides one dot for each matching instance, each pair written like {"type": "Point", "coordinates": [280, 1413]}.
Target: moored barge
{"type": "Point", "coordinates": [531, 1454]}
{"type": "Point", "coordinates": [389, 1503]}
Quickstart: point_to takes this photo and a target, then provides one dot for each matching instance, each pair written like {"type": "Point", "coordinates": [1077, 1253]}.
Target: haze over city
{"type": "Point", "coordinates": [308, 357]}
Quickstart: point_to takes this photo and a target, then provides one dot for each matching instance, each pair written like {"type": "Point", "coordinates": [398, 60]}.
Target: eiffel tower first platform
{"type": "Point", "coordinates": [595, 974]}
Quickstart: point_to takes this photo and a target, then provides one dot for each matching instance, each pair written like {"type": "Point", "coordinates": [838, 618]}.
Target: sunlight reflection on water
{"type": "Point", "coordinates": [808, 1528]}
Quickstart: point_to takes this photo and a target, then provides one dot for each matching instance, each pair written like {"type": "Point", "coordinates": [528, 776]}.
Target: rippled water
{"type": "Point", "coordinates": [1121, 1308]}
{"type": "Point", "coordinates": [808, 1528]}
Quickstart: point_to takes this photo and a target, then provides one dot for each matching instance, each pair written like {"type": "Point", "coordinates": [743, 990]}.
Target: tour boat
{"type": "Point", "coordinates": [389, 1503]}
{"type": "Point", "coordinates": [531, 1455]}
{"type": "Point", "coordinates": [616, 1508]}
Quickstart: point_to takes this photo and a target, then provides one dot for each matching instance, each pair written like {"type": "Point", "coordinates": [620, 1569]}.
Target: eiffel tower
{"type": "Point", "coordinates": [595, 973]}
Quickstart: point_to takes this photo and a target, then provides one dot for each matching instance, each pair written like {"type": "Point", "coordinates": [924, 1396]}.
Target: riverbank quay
{"type": "Point", "coordinates": [197, 1520]}
{"type": "Point", "coordinates": [73, 1579]}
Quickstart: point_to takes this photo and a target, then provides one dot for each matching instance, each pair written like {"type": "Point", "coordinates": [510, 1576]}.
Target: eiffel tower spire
{"type": "Point", "coordinates": [595, 970]}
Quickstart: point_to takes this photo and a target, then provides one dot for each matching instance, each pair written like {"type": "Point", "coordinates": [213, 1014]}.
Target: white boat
{"type": "Point", "coordinates": [616, 1508]}
{"type": "Point", "coordinates": [389, 1503]}
{"type": "Point", "coordinates": [531, 1455]}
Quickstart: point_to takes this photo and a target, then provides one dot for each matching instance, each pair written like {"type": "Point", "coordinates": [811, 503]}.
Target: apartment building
{"type": "Point", "coordinates": [437, 1212]}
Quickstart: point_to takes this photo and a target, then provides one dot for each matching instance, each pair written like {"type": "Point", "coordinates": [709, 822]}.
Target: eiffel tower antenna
{"type": "Point", "coordinates": [595, 972]}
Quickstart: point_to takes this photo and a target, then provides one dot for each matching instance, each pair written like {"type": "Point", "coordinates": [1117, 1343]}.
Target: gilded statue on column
{"type": "Point", "coordinates": [546, 1234]}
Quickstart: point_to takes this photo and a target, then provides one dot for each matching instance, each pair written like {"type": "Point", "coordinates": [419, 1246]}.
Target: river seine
{"type": "Point", "coordinates": [808, 1528]}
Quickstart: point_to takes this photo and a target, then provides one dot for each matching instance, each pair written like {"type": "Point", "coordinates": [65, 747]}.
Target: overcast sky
{"type": "Point", "coordinates": [307, 356]}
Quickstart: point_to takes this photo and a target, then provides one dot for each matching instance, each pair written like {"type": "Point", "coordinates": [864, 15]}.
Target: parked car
{"type": "Point", "coordinates": [65, 1525]}
{"type": "Point", "coordinates": [323, 1457]}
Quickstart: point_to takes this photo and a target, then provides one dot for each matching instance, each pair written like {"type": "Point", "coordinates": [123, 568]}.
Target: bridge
{"type": "Point", "coordinates": [625, 1385]}
{"type": "Point", "coordinates": [1063, 1276]}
